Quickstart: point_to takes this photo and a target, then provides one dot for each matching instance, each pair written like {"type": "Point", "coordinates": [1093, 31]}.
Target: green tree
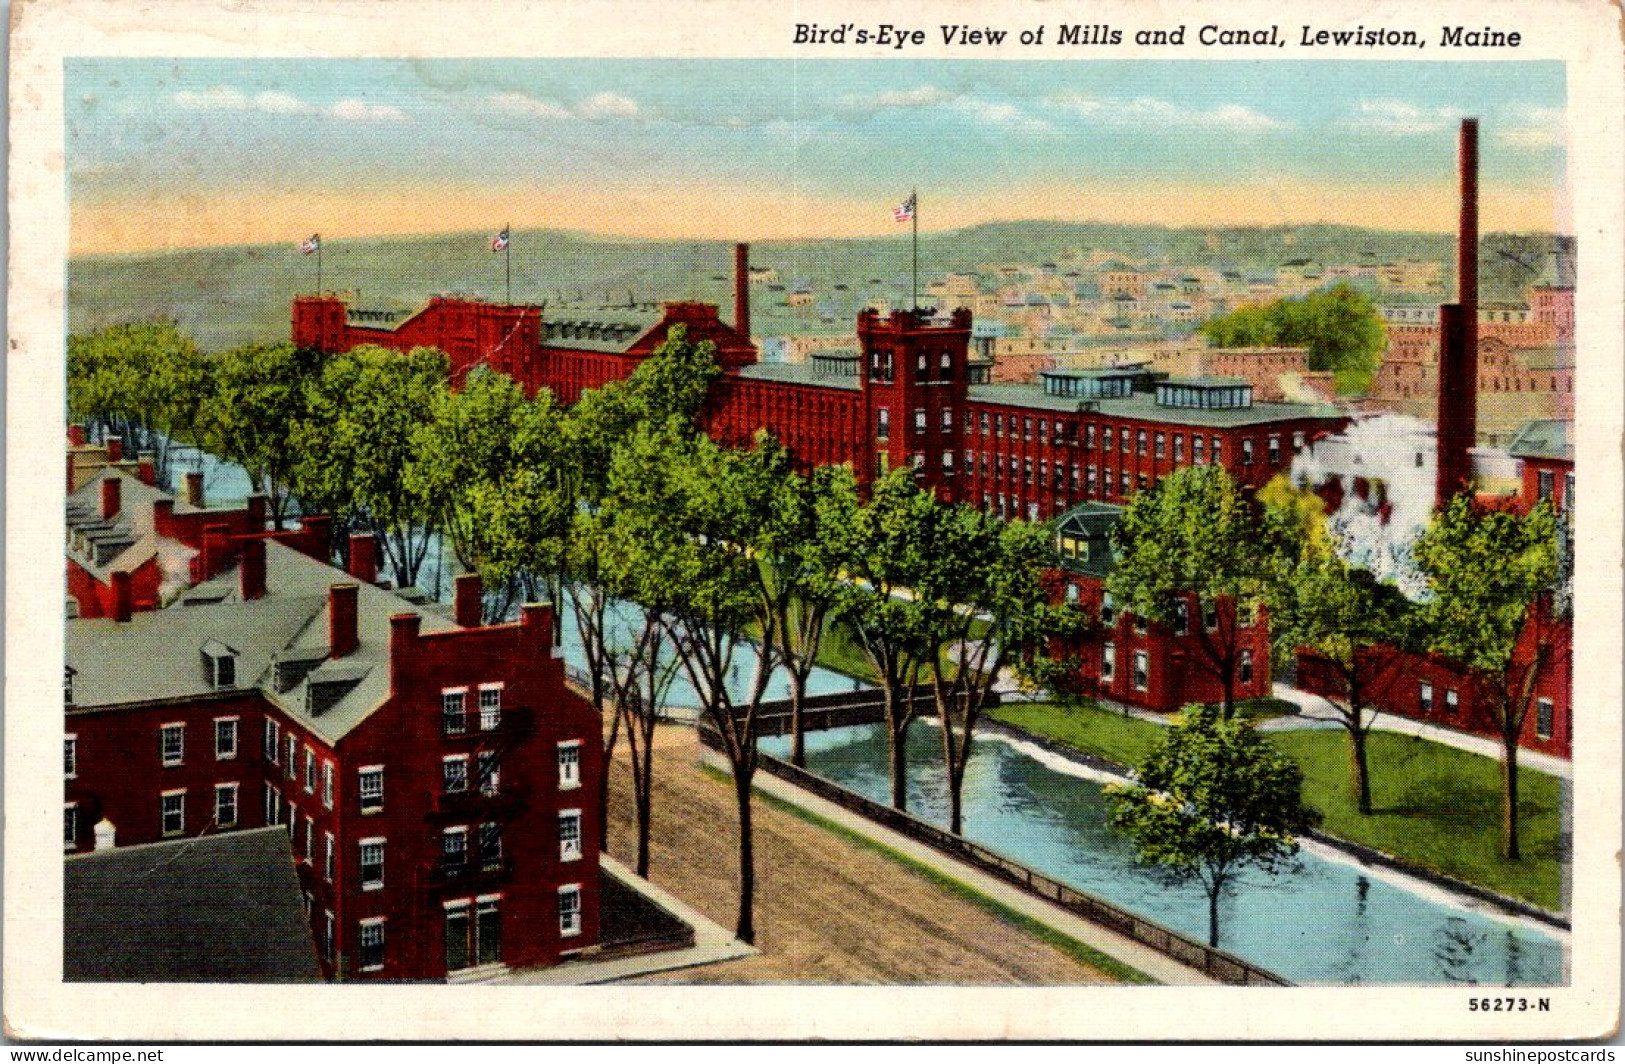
{"type": "Point", "coordinates": [895, 536]}
{"type": "Point", "coordinates": [260, 393]}
{"type": "Point", "coordinates": [990, 607]}
{"type": "Point", "coordinates": [1338, 325]}
{"type": "Point", "coordinates": [145, 381]}
{"type": "Point", "coordinates": [1354, 628]}
{"type": "Point", "coordinates": [802, 550]}
{"type": "Point", "coordinates": [1493, 579]}
{"type": "Point", "coordinates": [1194, 533]}
{"type": "Point", "coordinates": [1211, 800]}
{"type": "Point", "coordinates": [357, 445]}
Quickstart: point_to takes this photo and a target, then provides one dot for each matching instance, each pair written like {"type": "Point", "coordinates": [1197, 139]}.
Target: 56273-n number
{"type": "Point", "coordinates": [1509, 1004]}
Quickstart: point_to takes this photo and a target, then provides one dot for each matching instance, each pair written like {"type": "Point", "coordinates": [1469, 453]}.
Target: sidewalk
{"type": "Point", "coordinates": [1158, 966]}
{"type": "Point", "coordinates": [712, 944]}
{"type": "Point", "coordinates": [1317, 712]}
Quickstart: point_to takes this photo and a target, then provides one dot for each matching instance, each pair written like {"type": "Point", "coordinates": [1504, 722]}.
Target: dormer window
{"type": "Point", "coordinates": [219, 664]}
{"type": "Point", "coordinates": [68, 673]}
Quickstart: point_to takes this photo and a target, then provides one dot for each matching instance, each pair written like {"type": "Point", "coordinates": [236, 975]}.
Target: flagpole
{"type": "Point", "coordinates": [318, 265]}
{"type": "Point", "coordinates": [507, 260]}
{"type": "Point", "coordinates": [914, 197]}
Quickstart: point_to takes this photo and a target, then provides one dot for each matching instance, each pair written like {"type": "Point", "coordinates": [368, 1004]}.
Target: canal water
{"type": "Point", "coordinates": [1327, 921]}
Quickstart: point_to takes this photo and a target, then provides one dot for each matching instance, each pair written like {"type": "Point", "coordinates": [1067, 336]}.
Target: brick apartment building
{"type": "Point", "coordinates": [434, 774]}
{"type": "Point", "coordinates": [1126, 659]}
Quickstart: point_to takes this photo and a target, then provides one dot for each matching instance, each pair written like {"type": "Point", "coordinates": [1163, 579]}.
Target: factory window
{"type": "Point", "coordinates": [272, 741]}
{"type": "Point", "coordinates": [1452, 701]}
{"type": "Point", "coordinates": [570, 910]}
{"type": "Point", "coordinates": [1244, 668]}
{"type": "Point", "coordinates": [70, 756]}
{"type": "Point", "coordinates": [1108, 662]}
{"type": "Point", "coordinates": [1547, 482]}
{"type": "Point", "coordinates": [1142, 670]}
{"type": "Point", "coordinates": [947, 462]}
{"type": "Point", "coordinates": [1218, 451]}
{"type": "Point", "coordinates": [1122, 440]}
{"type": "Point", "coordinates": [570, 765]}
{"type": "Point", "coordinates": [372, 944]}
{"type": "Point", "coordinates": [1161, 444]}
{"type": "Point", "coordinates": [454, 774]}
{"type": "Point", "coordinates": [1139, 443]}
{"type": "Point", "coordinates": [1425, 697]}
{"type": "Point", "coordinates": [1092, 481]}
{"type": "Point", "coordinates": [1089, 437]}
{"type": "Point", "coordinates": [1545, 714]}
{"type": "Point", "coordinates": [1108, 610]}
{"type": "Point", "coordinates": [173, 808]}
{"type": "Point", "coordinates": [1297, 443]}
{"type": "Point", "coordinates": [981, 422]}
{"type": "Point", "coordinates": [1026, 428]}
{"type": "Point", "coordinates": [453, 851]}
{"type": "Point", "coordinates": [1197, 453]}
{"type": "Point", "coordinates": [1246, 452]}
{"type": "Point", "coordinates": [172, 743]}
{"type": "Point", "coordinates": [225, 805]}
{"type": "Point", "coordinates": [883, 423]}
{"type": "Point", "coordinates": [372, 864]}
{"type": "Point", "coordinates": [70, 826]}
{"type": "Point", "coordinates": [1275, 450]}
{"type": "Point", "coordinates": [1123, 481]}
{"type": "Point", "coordinates": [490, 706]}
{"type": "Point", "coordinates": [1179, 447]}
{"type": "Point", "coordinates": [1568, 491]}
{"type": "Point", "coordinates": [919, 420]}
{"type": "Point", "coordinates": [569, 834]}
{"type": "Point", "coordinates": [371, 788]}
{"type": "Point", "coordinates": [453, 711]}
{"type": "Point", "coordinates": [947, 420]}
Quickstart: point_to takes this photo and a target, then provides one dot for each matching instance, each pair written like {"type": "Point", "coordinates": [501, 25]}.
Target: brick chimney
{"type": "Point", "coordinates": [403, 637]}
{"type": "Point", "coordinates": [342, 635]}
{"type": "Point", "coordinates": [115, 449]}
{"type": "Point", "coordinates": [122, 607]}
{"type": "Point", "coordinates": [76, 435]}
{"type": "Point", "coordinates": [468, 599]}
{"type": "Point", "coordinates": [194, 489]}
{"type": "Point", "coordinates": [1457, 411]}
{"type": "Point", "coordinates": [742, 289]}
{"type": "Point", "coordinates": [363, 558]}
{"type": "Point", "coordinates": [111, 490]}
{"type": "Point", "coordinates": [253, 569]}
{"type": "Point", "coordinates": [146, 468]}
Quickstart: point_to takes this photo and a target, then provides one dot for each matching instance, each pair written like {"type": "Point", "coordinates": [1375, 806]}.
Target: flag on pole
{"type": "Point", "coordinates": [500, 241]}
{"type": "Point", "coordinates": [313, 245]}
{"type": "Point", "coordinates": [904, 211]}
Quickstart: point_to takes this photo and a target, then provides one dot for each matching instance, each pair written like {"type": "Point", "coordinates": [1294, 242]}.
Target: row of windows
{"type": "Point", "coordinates": [1545, 708]}
{"type": "Point", "coordinates": [171, 814]}
{"type": "Point", "coordinates": [286, 753]}
{"type": "Point", "coordinates": [1142, 667]}
{"type": "Point", "coordinates": [172, 742]}
{"type": "Point", "coordinates": [454, 709]}
{"type": "Point", "coordinates": [455, 858]}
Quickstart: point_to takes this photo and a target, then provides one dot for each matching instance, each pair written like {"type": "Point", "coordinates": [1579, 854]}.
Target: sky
{"type": "Point", "coordinates": [182, 153]}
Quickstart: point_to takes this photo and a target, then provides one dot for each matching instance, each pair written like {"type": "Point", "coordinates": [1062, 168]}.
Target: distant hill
{"type": "Point", "coordinates": [230, 295]}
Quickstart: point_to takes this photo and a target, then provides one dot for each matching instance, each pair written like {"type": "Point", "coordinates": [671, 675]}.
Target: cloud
{"type": "Point", "coordinates": [600, 107]}
{"type": "Point", "coordinates": [353, 110]}
{"type": "Point", "coordinates": [1537, 128]}
{"type": "Point", "coordinates": [1396, 118]}
{"type": "Point", "coordinates": [1004, 115]}
{"type": "Point", "coordinates": [896, 99]}
{"type": "Point", "coordinates": [1147, 111]}
{"type": "Point", "coordinates": [225, 98]}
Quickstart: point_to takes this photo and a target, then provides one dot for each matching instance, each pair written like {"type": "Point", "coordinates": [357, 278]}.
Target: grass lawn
{"type": "Point", "coordinates": [1087, 727]}
{"type": "Point", "coordinates": [1435, 806]}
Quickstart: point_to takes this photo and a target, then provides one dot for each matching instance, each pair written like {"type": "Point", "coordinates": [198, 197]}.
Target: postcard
{"type": "Point", "coordinates": [594, 521]}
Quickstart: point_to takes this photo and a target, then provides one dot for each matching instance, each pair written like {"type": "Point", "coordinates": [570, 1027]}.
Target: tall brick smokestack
{"type": "Point", "coordinates": [742, 289]}
{"type": "Point", "coordinates": [1458, 338]}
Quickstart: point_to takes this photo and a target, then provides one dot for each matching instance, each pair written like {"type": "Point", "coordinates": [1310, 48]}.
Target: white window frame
{"type": "Point", "coordinates": [164, 730]}
{"type": "Point", "coordinates": [329, 937]}
{"type": "Point", "coordinates": [446, 778]}
{"type": "Point", "coordinates": [490, 716]}
{"type": "Point", "coordinates": [291, 769]}
{"type": "Point", "coordinates": [371, 923]}
{"type": "Point", "coordinates": [1108, 662]}
{"type": "Point", "coordinates": [363, 864]}
{"type": "Point", "coordinates": [1142, 670]}
{"type": "Point", "coordinates": [1424, 696]}
{"type": "Point", "coordinates": [163, 811]}
{"type": "Point", "coordinates": [570, 913]}
{"type": "Point", "coordinates": [70, 826]}
{"type": "Point", "coordinates": [273, 741]}
{"type": "Point", "coordinates": [327, 784]}
{"type": "Point", "coordinates": [221, 789]}
{"type": "Point", "coordinates": [310, 770]}
{"type": "Point", "coordinates": [1549, 705]}
{"type": "Point", "coordinates": [490, 784]}
{"type": "Point", "coordinates": [447, 695]}
{"type": "Point", "coordinates": [70, 756]}
{"type": "Point", "coordinates": [567, 851]}
{"type": "Point", "coordinates": [459, 833]}
{"type": "Point", "coordinates": [233, 728]}
{"type": "Point", "coordinates": [1452, 701]}
{"type": "Point", "coordinates": [310, 841]}
{"type": "Point", "coordinates": [362, 794]}
{"type": "Point", "coordinates": [329, 855]}
{"type": "Point", "coordinates": [488, 836]}
{"type": "Point", "coordinates": [571, 779]}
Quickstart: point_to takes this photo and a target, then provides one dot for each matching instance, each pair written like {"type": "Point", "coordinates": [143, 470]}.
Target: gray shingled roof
{"type": "Point", "coordinates": [1543, 439]}
{"type": "Point", "coordinates": [218, 908]}
{"type": "Point", "coordinates": [798, 373]}
{"type": "Point", "coordinates": [1144, 407]}
{"type": "Point", "coordinates": [156, 655]}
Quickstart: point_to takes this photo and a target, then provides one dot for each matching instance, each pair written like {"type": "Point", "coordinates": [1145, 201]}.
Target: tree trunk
{"type": "Point", "coordinates": [1362, 772]}
{"type": "Point", "coordinates": [603, 776]}
{"type": "Point", "coordinates": [1213, 914]}
{"type": "Point", "coordinates": [798, 738]}
{"type": "Point", "coordinates": [1509, 791]}
{"type": "Point", "coordinates": [899, 766]}
{"type": "Point", "coordinates": [645, 799]}
{"type": "Point", "coordinates": [745, 929]}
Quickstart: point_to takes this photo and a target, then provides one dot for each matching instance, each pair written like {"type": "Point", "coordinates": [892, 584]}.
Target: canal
{"type": "Point", "coordinates": [1327, 921]}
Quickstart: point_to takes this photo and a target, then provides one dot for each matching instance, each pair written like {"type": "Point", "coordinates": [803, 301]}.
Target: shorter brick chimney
{"type": "Point", "coordinates": [110, 496]}
{"type": "Point", "coordinates": [253, 569]}
{"type": "Point", "coordinates": [363, 557]}
{"type": "Point", "coordinates": [115, 449]}
{"type": "Point", "coordinates": [468, 599]}
{"type": "Point", "coordinates": [146, 468]}
{"type": "Point", "coordinates": [121, 596]}
{"type": "Point", "coordinates": [342, 635]}
{"type": "Point", "coordinates": [76, 435]}
{"type": "Point", "coordinates": [194, 489]}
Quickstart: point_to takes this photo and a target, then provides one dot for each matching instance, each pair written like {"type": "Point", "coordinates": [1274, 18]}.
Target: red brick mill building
{"type": "Point", "coordinates": [434, 774]}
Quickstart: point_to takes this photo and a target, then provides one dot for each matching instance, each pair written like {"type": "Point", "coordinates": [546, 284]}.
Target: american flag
{"type": "Point", "coordinates": [313, 245]}
{"type": "Point", "coordinates": [500, 241]}
{"type": "Point", "coordinates": [905, 210]}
